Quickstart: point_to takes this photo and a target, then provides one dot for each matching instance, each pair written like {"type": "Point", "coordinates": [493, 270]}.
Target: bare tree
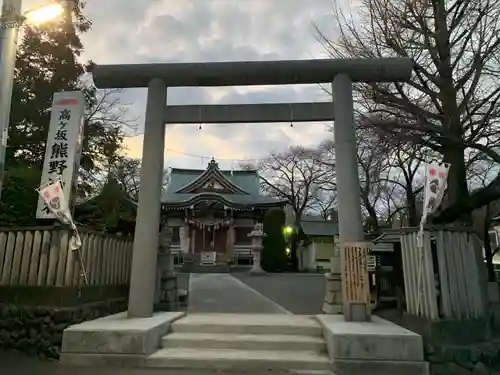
{"type": "Point", "coordinates": [324, 202]}
{"type": "Point", "coordinates": [294, 175]}
{"type": "Point", "coordinates": [106, 120]}
{"type": "Point", "coordinates": [372, 163]}
{"type": "Point", "coordinates": [127, 172]}
{"type": "Point", "coordinates": [405, 161]}
{"type": "Point", "coordinates": [451, 103]}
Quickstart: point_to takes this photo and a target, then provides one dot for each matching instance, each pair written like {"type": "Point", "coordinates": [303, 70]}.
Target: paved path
{"type": "Point", "coordinates": [222, 293]}
{"type": "Point", "coordinates": [299, 293]}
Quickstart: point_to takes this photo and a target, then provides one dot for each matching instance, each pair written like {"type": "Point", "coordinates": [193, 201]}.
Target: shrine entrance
{"type": "Point", "coordinates": [341, 74]}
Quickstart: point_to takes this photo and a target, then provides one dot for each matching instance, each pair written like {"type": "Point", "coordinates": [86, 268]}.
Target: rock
{"type": "Point", "coordinates": [16, 323]}
{"type": "Point", "coordinates": [429, 349]}
{"type": "Point", "coordinates": [490, 354]}
{"type": "Point", "coordinates": [61, 316]}
{"type": "Point", "coordinates": [57, 338]}
{"type": "Point", "coordinates": [463, 358]}
{"type": "Point", "coordinates": [480, 369]}
{"type": "Point", "coordinates": [475, 355]}
{"type": "Point", "coordinates": [29, 314]}
{"type": "Point", "coordinates": [32, 333]}
{"type": "Point", "coordinates": [60, 327]}
{"type": "Point", "coordinates": [455, 369]}
{"type": "Point", "coordinates": [439, 369]}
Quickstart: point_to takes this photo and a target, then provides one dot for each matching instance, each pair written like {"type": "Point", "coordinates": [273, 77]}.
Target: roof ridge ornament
{"type": "Point", "coordinates": [213, 164]}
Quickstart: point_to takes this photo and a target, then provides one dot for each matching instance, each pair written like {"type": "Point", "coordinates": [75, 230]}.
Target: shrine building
{"type": "Point", "coordinates": [212, 212]}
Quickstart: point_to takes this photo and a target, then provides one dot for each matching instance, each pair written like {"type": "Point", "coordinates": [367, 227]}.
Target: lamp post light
{"type": "Point", "coordinates": [11, 19]}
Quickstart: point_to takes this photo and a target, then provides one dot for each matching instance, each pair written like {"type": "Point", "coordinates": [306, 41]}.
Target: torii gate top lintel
{"type": "Point", "coordinates": [245, 73]}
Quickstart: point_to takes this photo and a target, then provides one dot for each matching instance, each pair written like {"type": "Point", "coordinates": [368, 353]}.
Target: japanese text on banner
{"type": "Point", "coordinates": [62, 145]}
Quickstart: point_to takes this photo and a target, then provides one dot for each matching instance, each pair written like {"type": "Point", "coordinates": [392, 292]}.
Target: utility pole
{"type": "Point", "coordinates": [10, 20]}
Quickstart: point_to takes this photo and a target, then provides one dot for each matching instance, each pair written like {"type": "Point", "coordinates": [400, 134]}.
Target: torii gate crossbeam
{"type": "Point", "coordinates": [248, 113]}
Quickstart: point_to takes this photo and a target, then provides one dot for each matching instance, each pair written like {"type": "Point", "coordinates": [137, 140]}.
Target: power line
{"type": "Point", "coordinates": [210, 157]}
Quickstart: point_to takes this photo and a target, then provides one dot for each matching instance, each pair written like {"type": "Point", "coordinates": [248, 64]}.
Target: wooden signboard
{"type": "Point", "coordinates": [355, 278]}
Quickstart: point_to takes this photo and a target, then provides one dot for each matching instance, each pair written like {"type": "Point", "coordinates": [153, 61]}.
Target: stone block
{"type": "Point", "coordinates": [331, 309]}
{"type": "Point", "coordinates": [357, 312]}
{"type": "Point", "coordinates": [333, 294]}
{"type": "Point", "coordinates": [364, 367]}
{"type": "Point", "coordinates": [334, 298]}
{"type": "Point", "coordinates": [378, 340]}
{"type": "Point", "coordinates": [117, 334]}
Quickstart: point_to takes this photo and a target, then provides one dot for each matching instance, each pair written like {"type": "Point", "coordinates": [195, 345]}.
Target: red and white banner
{"type": "Point", "coordinates": [436, 176]}
{"type": "Point", "coordinates": [53, 197]}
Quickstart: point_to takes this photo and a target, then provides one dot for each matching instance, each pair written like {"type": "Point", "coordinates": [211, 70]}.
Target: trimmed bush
{"type": "Point", "coordinates": [274, 257]}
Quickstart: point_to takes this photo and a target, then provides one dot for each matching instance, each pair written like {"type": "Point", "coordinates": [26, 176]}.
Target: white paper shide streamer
{"type": "Point", "coordinates": [436, 176]}
{"type": "Point", "coordinates": [53, 196]}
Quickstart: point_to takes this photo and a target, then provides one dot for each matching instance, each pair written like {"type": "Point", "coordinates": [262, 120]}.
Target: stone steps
{"type": "Point", "coordinates": [233, 359]}
{"type": "Point", "coordinates": [253, 324]}
{"type": "Point", "coordinates": [243, 342]}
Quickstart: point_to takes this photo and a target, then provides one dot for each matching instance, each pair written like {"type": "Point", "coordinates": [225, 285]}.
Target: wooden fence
{"type": "Point", "coordinates": [446, 278]}
{"type": "Point", "coordinates": [41, 257]}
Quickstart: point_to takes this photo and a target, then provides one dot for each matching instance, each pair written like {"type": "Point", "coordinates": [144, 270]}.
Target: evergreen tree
{"type": "Point", "coordinates": [274, 257]}
{"type": "Point", "coordinates": [109, 211]}
{"type": "Point", "coordinates": [48, 62]}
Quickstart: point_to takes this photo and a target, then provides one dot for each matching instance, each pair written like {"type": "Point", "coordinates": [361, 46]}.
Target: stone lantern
{"type": "Point", "coordinates": [257, 235]}
{"type": "Point", "coordinates": [166, 279]}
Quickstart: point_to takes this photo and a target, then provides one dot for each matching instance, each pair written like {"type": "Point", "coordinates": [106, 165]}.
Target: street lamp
{"type": "Point", "coordinates": [43, 14]}
{"type": "Point", "coordinates": [11, 19]}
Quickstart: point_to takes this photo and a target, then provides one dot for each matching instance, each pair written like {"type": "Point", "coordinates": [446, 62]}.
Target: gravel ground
{"type": "Point", "coordinates": [299, 293]}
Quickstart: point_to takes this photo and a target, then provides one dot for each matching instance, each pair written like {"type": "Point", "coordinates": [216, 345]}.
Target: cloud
{"type": "Point", "coordinates": [212, 30]}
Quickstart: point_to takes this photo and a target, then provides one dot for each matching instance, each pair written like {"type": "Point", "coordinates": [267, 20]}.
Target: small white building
{"type": "Point", "coordinates": [319, 239]}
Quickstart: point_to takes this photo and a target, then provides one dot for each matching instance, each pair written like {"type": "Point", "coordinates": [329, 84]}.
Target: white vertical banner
{"type": "Point", "coordinates": [436, 176]}
{"type": "Point", "coordinates": [63, 149]}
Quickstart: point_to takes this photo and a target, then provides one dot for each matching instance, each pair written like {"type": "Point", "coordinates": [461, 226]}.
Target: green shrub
{"type": "Point", "coordinates": [274, 257]}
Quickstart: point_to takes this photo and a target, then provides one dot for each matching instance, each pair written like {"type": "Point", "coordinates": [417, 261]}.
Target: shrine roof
{"type": "Point", "coordinates": [229, 199]}
{"type": "Point", "coordinates": [316, 226]}
{"type": "Point", "coordinates": [239, 187]}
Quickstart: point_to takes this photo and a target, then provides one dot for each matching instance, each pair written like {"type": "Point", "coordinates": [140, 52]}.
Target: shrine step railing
{"type": "Point", "coordinates": [41, 256]}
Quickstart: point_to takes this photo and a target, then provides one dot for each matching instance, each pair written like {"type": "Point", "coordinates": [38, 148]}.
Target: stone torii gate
{"type": "Point", "coordinates": [158, 77]}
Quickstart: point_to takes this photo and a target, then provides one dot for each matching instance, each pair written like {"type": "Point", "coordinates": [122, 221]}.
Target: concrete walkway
{"type": "Point", "coordinates": [222, 293]}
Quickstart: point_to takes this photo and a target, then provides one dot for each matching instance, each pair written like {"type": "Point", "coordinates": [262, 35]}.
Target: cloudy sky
{"type": "Point", "coordinates": [149, 31]}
